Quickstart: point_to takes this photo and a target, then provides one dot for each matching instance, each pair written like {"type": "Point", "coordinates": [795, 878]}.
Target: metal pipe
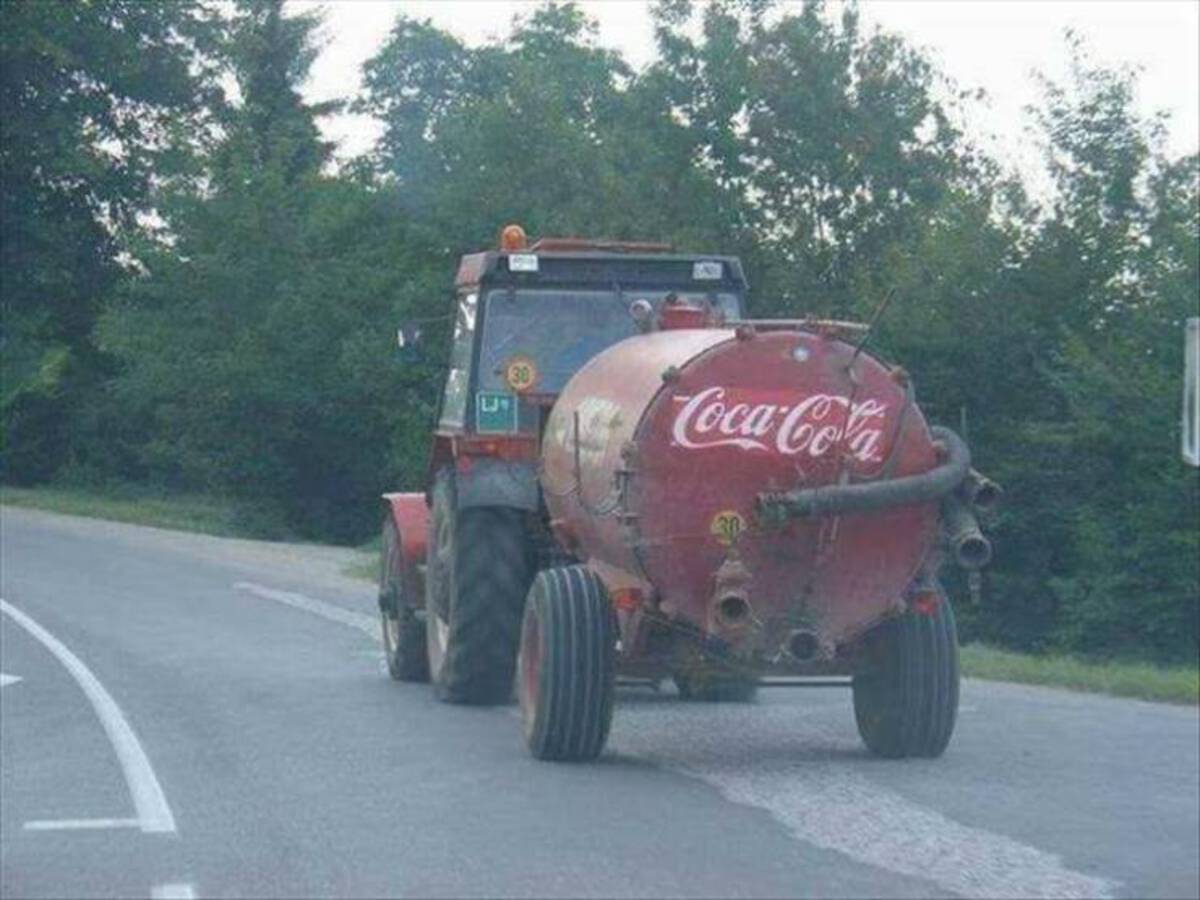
{"type": "Point", "coordinates": [910, 490]}
{"type": "Point", "coordinates": [732, 610]}
{"type": "Point", "coordinates": [980, 491]}
{"type": "Point", "coordinates": [961, 533]}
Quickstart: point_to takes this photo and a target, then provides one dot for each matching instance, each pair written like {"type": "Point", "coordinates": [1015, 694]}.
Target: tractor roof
{"type": "Point", "coordinates": [562, 262]}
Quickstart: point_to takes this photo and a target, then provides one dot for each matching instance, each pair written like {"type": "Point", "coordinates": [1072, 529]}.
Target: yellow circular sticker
{"type": "Point", "coordinates": [520, 373]}
{"type": "Point", "coordinates": [727, 525]}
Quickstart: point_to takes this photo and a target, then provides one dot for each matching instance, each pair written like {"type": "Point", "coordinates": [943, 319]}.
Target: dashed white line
{"type": "Point", "coordinates": [153, 813]}
{"type": "Point", "coordinates": [173, 892]}
{"type": "Point", "coordinates": [330, 611]}
{"type": "Point", "coordinates": [79, 824]}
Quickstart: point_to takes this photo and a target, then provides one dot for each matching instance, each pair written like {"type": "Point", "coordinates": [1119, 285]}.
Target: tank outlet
{"type": "Point", "coordinates": [803, 645]}
{"type": "Point", "coordinates": [733, 611]}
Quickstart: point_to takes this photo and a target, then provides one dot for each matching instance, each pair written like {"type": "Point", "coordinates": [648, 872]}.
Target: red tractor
{"type": "Point", "coordinates": [628, 478]}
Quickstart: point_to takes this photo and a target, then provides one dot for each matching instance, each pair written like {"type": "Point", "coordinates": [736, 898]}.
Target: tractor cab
{"type": "Point", "coordinates": [528, 317]}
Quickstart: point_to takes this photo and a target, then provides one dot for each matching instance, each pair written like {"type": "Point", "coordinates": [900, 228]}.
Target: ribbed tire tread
{"type": "Point", "coordinates": [571, 708]}
{"type": "Point", "coordinates": [906, 705]}
{"type": "Point", "coordinates": [409, 659]}
{"type": "Point", "coordinates": [493, 561]}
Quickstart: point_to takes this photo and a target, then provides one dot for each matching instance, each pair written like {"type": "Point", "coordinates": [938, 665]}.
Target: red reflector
{"type": "Point", "coordinates": [926, 604]}
{"type": "Point", "coordinates": [627, 599]}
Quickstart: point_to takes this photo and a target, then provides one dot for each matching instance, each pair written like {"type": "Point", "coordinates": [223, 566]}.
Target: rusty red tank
{"type": "Point", "coordinates": [656, 453]}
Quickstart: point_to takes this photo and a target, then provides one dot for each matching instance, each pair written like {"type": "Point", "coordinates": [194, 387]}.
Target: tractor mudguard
{"type": "Point", "coordinates": [497, 482]}
{"type": "Point", "coordinates": [411, 516]}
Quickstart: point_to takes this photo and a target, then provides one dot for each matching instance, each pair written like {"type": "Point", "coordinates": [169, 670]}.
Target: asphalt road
{"type": "Point", "coordinates": [264, 752]}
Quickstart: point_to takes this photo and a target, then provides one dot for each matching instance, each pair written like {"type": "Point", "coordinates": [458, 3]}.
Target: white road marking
{"type": "Point", "coordinates": [330, 611]}
{"type": "Point", "coordinates": [811, 780]}
{"type": "Point", "coordinates": [6, 679]}
{"type": "Point", "coordinates": [79, 824]}
{"type": "Point", "coordinates": [173, 892]}
{"type": "Point", "coordinates": [153, 813]}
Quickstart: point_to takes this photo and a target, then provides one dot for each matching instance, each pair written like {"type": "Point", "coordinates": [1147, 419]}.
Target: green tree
{"type": "Point", "coordinates": [256, 346]}
{"type": "Point", "coordinates": [828, 143]}
{"type": "Point", "coordinates": [249, 353]}
{"type": "Point", "coordinates": [1100, 550]}
{"type": "Point", "coordinates": [93, 96]}
{"type": "Point", "coordinates": [543, 128]}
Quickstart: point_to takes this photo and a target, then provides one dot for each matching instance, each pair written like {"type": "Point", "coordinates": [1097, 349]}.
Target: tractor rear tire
{"type": "Point", "coordinates": [403, 632]}
{"type": "Point", "coordinates": [479, 567]}
{"type": "Point", "coordinates": [906, 701]}
{"type": "Point", "coordinates": [566, 671]}
{"type": "Point", "coordinates": [709, 688]}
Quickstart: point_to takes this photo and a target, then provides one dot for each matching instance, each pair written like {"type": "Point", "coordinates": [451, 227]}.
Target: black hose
{"type": "Point", "coordinates": [911, 490]}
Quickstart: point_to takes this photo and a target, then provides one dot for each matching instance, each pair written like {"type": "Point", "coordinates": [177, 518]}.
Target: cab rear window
{"type": "Point", "coordinates": [560, 330]}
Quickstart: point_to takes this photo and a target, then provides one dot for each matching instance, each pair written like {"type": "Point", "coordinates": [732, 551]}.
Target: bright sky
{"type": "Point", "coordinates": [992, 44]}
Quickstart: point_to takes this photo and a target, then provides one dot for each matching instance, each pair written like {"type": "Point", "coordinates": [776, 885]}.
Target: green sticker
{"type": "Point", "coordinates": [495, 412]}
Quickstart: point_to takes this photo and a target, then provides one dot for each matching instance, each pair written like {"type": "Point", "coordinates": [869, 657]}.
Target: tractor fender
{"type": "Point", "coordinates": [410, 513]}
{"type": "Point", "coordinates": [496, 482]}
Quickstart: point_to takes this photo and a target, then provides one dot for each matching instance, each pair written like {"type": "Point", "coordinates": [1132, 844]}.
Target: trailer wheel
{"type": "Point", "coordinates": [567, 665]}
{"type": "Point", "coordinates": [906, 701]}
{"type": "Point", "coordinates": [713, 688]}
{"type": "Point", "coordinates": [480, 563]}
{"type": "Point", "coordinates": [403, 632]}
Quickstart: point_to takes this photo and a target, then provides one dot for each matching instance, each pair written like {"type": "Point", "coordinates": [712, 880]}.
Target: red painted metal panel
{"type": "Point", "coordinates": [411, 516]}
{"type": "Point", "coordinates": [608, 396]}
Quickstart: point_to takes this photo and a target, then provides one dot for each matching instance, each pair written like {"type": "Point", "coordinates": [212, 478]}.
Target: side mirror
{"type": "Point", "coordinates": [408, 339]}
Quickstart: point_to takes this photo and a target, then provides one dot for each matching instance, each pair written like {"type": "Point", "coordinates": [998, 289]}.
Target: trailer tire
{"type": "Point", "coordinates": [707, 688]}
{"type": "Point", "coordinates": [403, 633]}
{"type": "Point", "coordinates": [479, 567]}
{"type": "Point", "coordinates": [906, 701]}
{"type": "Point", "coordinates": [566, 670]}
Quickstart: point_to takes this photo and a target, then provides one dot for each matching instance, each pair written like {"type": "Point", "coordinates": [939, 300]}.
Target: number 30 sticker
{"type": "Point", "coordinates": [520, 373]}
{"type": "Point", "coordinates": [727, 525]}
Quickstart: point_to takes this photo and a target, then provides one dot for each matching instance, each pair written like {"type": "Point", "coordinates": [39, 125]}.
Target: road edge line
{"type": "Point", "coordinates": [178, 891]}
{"type": "Point", "coordinates": [153, 812]}
{"type": "Point", "coordinates": [79, 824]}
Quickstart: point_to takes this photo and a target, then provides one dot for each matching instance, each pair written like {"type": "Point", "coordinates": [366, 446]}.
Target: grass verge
{"type": "Point", "coordinates": [366, 562]}
{"type": "Point", "coordinates": [185, 512]}
{"type": "Point", "coordinates": [1144, 681]}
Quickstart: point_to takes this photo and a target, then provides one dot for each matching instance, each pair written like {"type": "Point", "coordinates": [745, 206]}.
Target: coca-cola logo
{"type": "Point", "coordinates": [812, 426]}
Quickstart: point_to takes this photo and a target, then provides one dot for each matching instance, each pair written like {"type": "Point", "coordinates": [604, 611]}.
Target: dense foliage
{"type": "Point", "coordinates": [90, 96]}
{"type": "Point", "coordinates": [194, 296]}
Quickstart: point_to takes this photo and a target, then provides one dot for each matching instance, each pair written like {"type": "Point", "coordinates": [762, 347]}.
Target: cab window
{"type": "Point", "coordinates": [558, 330]}
{"type": "Point", "coordinates": [454, 400]}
